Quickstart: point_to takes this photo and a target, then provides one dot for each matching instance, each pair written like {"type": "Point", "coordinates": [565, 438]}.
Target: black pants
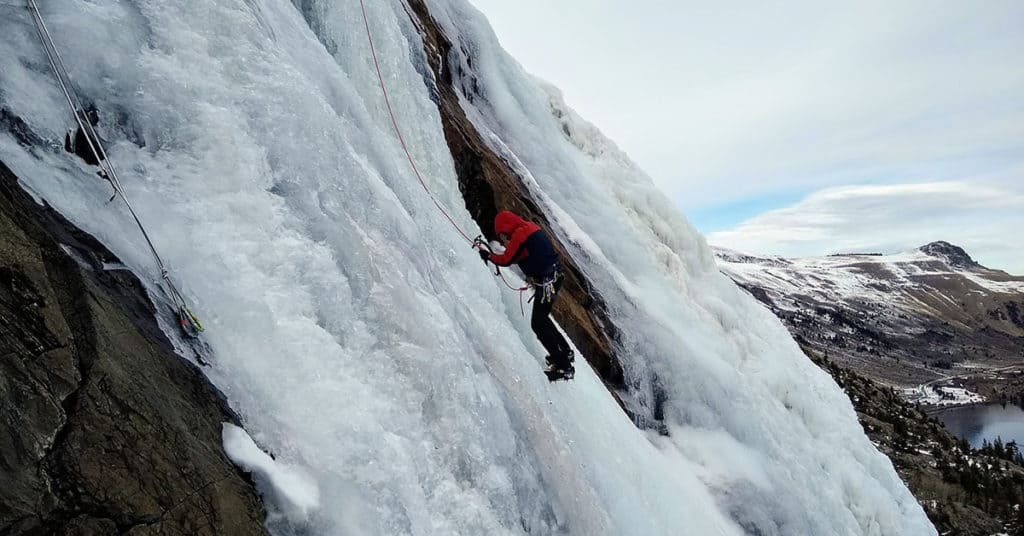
{"type": "Point", "coordinates": [547, 333]}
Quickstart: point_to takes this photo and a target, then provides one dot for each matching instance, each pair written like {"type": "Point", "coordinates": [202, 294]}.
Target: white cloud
{"type": "Point", "coordinates": [983, 217]}
{"type": "Point", "coordinates": [735, 103]}
{"type": "Point", "coordinates": [716, 100]}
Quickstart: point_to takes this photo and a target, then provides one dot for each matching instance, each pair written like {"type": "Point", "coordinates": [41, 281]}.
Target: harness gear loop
{"type": "Point", "coordinates": [546, 288]}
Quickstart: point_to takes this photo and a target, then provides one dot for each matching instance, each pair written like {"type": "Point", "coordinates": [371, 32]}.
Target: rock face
{"type": "Point", "coordinates": [954, 256]}
{"type": "Point", "coordinates": [103, 429]}
{"type": "Point", "coordinates": [489, 184]}
{"type": "Point", "coordinates": [901, 319]}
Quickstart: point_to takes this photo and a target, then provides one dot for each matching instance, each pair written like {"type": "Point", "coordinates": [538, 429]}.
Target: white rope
{"type": "Point", "coordinates": [185, 316]}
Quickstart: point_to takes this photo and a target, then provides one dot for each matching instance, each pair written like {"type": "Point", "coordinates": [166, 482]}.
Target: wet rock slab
{"type": "Point", "coordinates": [103, 429]}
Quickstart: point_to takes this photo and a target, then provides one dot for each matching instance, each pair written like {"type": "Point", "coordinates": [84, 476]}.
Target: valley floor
{"type": "Point", "coordinates": [969, 384]}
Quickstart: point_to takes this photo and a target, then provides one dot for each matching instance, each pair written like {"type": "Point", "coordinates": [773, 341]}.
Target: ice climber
{"type": "Point", "coordinates": [530, 248]}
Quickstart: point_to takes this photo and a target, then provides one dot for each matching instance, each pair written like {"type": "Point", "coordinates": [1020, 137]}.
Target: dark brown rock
{"type": "Point", "coordinates": [103, 428]}
{"type": "Point", "coordinates": [489, 184]}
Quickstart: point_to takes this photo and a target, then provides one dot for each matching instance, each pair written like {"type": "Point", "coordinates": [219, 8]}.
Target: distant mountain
{"type": "Point", "coordinates": [902, 319]}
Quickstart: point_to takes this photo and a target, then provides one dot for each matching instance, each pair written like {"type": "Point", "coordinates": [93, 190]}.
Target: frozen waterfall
{"type": "Point", "coordinates": [358, 336]}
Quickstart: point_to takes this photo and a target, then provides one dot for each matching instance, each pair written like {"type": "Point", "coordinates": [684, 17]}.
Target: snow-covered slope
{"type": "Point", "coordinates": [868, 276]}
{"type": "Point", "coordinates": [893, 317]}
{"type": "Point", "coordinates": [362, 341]}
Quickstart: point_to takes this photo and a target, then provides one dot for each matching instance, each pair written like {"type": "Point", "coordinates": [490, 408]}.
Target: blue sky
{"type": "Point", "coordinates": [718, 217]}
{"type": "Point", "coordinates": [759, 118]}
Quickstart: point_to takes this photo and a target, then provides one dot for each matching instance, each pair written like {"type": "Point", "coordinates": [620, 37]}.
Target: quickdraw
{"type": "Point", "coordinates": [546, 288]}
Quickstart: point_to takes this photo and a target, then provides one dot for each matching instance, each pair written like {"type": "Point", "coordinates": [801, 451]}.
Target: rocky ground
{"type": "Point", "coordinates": [964, 491]}
{"type": "Point", "coordinates": [904, 333]}
{"type": "Point", "coordinates": [103, 429]}
{"type": "Point", "coordinates": [1004, 385]}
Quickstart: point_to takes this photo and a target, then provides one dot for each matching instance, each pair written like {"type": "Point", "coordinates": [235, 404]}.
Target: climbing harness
{"type": "Point", "coordinates": [187, 320]}
{"type": "Point", "coordinates": [546, 288]}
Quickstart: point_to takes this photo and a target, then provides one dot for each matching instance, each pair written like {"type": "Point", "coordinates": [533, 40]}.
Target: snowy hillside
{"type": "Point", "coordinates": [868, 276]}
{"type": "Point", "coordinates": [893, 317]}
{"type": "Point", "coordinates": [359, 337]}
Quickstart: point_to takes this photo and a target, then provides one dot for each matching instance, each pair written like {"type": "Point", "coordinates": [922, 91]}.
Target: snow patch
{"type": "Point", "coordinates": [287, 486]}
{"type": "Point", "coordinates": [932, 395]}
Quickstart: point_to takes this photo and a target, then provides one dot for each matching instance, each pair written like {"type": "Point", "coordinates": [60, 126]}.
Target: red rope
{"type": "Point", "coordinates": [408, 155]}
{"type": "Point", "coordinates": [520, 290]}
{"type": "Point", "coordinates": [398, 131]}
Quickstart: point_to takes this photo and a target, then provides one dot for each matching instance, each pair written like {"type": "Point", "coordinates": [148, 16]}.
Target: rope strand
{"type": "Point", "coordinates": [398, 131]}
{"type": "Point", "coordinates": [188, 320]}
{"type": "Point", "coordinates": [408, 155]}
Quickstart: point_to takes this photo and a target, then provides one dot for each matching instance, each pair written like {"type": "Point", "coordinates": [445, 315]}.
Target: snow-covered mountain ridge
{"type": "Point", "coordinates": [357, 335]}
{"type": "Point", "coordinates": [893, 317]}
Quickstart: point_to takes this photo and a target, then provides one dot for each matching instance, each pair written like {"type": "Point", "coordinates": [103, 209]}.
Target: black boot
{"type": "Point", "coordinates": [559, 372]}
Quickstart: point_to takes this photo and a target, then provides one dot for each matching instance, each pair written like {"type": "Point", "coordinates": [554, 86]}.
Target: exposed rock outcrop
{"type": "Point", "coordinates": [489, 184]}
{"type": "Point", "coordinates": [953, 255]}
{"type": "Point", "coordinates": [103, 429]}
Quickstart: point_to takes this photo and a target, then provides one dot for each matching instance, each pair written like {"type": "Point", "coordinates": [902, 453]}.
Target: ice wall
{"type": "Point", "coordinates": [364, 344]}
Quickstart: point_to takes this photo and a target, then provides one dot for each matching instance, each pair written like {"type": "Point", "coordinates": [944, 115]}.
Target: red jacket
{"type": "Point", "coordinates": [527, 246]}
{"type": "Point", "coordinates": [517, 229]}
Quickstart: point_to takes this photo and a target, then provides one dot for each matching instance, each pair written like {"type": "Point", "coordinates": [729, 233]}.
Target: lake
{"type": "Point", "coordinates": [975, 423]}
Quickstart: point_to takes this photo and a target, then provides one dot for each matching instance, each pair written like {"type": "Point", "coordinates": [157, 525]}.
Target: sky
{"type": "Point", "coordinates": [803, 128]}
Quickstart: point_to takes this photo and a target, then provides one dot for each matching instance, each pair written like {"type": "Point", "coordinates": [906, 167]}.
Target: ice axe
{"type": "Point", "coordinates": [480, 244]}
